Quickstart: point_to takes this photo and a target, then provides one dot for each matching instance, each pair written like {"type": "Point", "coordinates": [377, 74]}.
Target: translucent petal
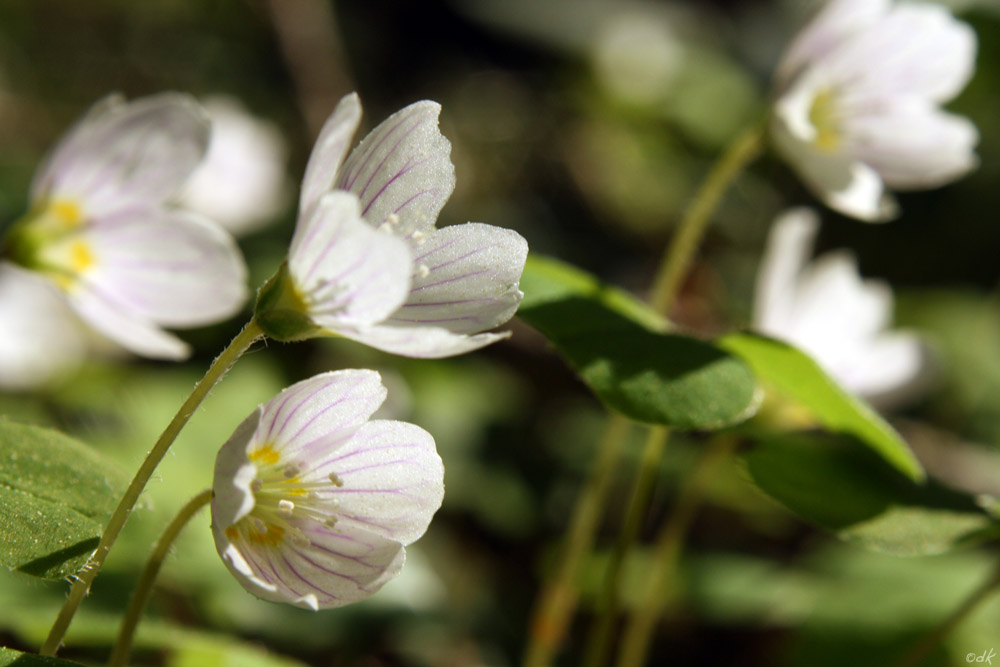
{"type": "Point", "coordinates": [423, 342]}
{"type": "Point", "coordinates": [347, 272]}
{"type": "Point", "coordinates": [168, 266]}
{"type": "Point", "coordinates": [390, 480]}
{"type": "Point", "coordinates": [329, 151]}
{"type": "Point", "coordinates": [789, 246]}
{"type": "Point", "coordinates": [124, 155]}
{"type": "Point", "coordinates": [402, 172]}
{"type": "Point", "coordinates": [465, 279]}
{"type": "Point", "coordinates": [892, 367]}
{"type": "Point", "coordinates": [232, 498]}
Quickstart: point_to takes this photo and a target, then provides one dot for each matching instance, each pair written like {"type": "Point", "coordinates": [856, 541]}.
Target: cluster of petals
{"type": "Point", "coordinates": [827, 310]}
{"type": "Point", "coordinates": [314, 503]}
{"type": "Point", "coordinates": [859, 95]}
{"type": "Point", "coordinates": [366, 261]}
{"type": "Point", "coordinates": [102, 234]}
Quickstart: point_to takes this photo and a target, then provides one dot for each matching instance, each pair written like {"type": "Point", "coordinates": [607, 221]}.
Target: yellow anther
{"type": "Point", "coordinates": [266, 455]}
{"type": "Point", "coordinates": [823, 114]}
{"type": "Point", "coordinates": [81, 257]}
{"type": "Point", "coordinates": [66, 212]}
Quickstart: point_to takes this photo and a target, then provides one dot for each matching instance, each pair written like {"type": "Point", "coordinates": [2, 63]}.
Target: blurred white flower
{"type": "Point", "coordinates": [313, 502]}
{"type": "Point", "coordinates": [859, 92]}
{"type": "Point", "coordinates": [827, 310]}
{"type": "Point", "coordinates": [241, 183]}
{"type": "Point", "coordinates": [100, 231]}
{"type": "Point", "coordinates": [366, 261]}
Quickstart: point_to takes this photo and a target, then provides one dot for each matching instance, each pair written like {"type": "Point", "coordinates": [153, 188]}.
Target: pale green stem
{"type": "Point", "coordinates": [599, 643]}
{"type": "Point", "coordinates": [144, 587]}
{"type": "Point", "coordinates": [674, 266]}
{"type": "Point", "coordinates": [638, 630]}
{"type": "Point", "coordinates": [558, 599]}
{"type": "Point", "coordinates": [919, 653]}
{"type": "Point", "coordinates": [250, 334]}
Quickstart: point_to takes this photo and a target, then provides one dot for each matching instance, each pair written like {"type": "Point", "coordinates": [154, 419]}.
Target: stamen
{"type": "Point", "coordinates": [285, 507]}
{"type": "Point", "coordinates": [336, 479]}
{"type": "Point", "coordinates": [292, 470]}
{"type": "Point", "coordinates": [256, 485]}
{"type": "Point", "coordinates": [423, 271]}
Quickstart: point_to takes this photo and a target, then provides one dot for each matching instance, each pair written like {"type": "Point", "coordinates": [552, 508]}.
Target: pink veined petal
{"type": "Point", "coordinates": [168, 266]}
{"type": "Point", "coordinates": [126, 154]}
{"type": "Point", "coordinates": [390, 480]}
{"type": "Point", "coordinates": [912, 144]}
{"type": "Point", "coordinates": [465, 279]}
{"type": "Point", "coordinates": [232, 498]}
{"type": "Point", "coordinates": [329, 151]}
{"type": "Point", "coordinates": [402, 171]}
{"type": "Point", "coordinates": [315, 416]}
{"type": "Point", "coordinates": [422, 342]}
{"type": "Point", "coordinates": [789, 246]}
{"type": "Point", "coordinates": [836, 22]}
{"type": "Point", "coordinates": [347, 272]}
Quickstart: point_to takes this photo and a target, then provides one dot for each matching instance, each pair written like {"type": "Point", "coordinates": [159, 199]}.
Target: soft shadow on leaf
{"type": "Point", "coordinates": [11, 658]}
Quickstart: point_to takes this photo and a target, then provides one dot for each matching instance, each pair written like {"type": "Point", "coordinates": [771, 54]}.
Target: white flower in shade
{"type": "Point", "coordinates": [366, 261]}
{"type": "Point", "coordinates": [241, 184]}
{"type": "Point", "coordinates": [99, 229]}
{"type": "Point", "coordinates": [313, 502]}
{"type": "Point", "coordinates": [859, 96]}
{"type": "Point", "coordinates": [827, 310]}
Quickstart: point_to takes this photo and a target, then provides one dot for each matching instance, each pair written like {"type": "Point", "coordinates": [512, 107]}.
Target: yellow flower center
{"type": "Point", "coordinates": [824, 114]}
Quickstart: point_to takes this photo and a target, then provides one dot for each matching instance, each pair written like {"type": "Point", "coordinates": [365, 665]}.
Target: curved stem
{"type": "Point", "coordinates": [558, 599]}
{"type": "Point", "coordinates": [599, 643]}
{"type": "Point", "coordinates": [668, 546]}
{"type": "Point", "coordinates": [144, 587]}
{"type": "Point", "coordinates": [919, 652]}
{"type": "Point", "coordinates": [250, 334]}
{"type": "Point", "coordinates": [674, 266]}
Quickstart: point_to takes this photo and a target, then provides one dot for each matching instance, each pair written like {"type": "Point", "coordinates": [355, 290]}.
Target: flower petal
{"type": "Point", "coordinates": [402, 169]}
{"type": "Point", "coordinates": [465, 279]}
{"type": "Point", "coordinates": [168, 266]}
{"type": "Point", "coordinates": [789, 246]}
{"type": "Point", "coordinates": [390, 480]}
{"type": "Point", "coordinates": [232, 498]}
{"type": "Point", "coordinates": [892, 367]}
{"type": "Point", "coordinates": [329, 151]}
{"type": "Point", "coordinates": [126, 154]}
{"type": "Point", "coordinates": [320, 412]}
{"type": "Point", "coordinates": [422, 342]}
{"type": "Point", "coordinates": [348, 272]}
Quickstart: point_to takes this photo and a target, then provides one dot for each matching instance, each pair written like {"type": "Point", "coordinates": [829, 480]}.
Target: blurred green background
{"type": "Point", "coordinates": [584, 125]}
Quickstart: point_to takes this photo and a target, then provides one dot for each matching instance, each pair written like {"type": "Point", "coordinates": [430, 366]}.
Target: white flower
{"type": "Point", "coordinates": [859, 96]}
{"type": "Point", "coordinates": [98, 227]}
{"type": "Point", "coordinates": [366, 261]}
{"type": "Point", "coordinates": [241, 184]}
{"type": "Point", "coordinates": [827, 310]}
{"type": "Point", "coordinates": [313, 502]}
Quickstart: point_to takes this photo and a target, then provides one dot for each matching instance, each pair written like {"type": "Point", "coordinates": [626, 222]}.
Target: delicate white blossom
{"type": "Point", "coordinates": [859, 95]}
{"type": "Point", "coordinates": [241, 183]}
{"type": "Point", "coordinates": [827, 310]}
{"type": "Point", "coordinates": [366, 261]}
{"type": "Point", "coordinates": [313, 502]}
{"type": "Point", "coordinates": [99, 230]}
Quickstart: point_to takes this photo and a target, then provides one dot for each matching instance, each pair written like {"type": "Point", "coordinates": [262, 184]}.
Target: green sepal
{"type": "Point", "coordinates": [280, 311]}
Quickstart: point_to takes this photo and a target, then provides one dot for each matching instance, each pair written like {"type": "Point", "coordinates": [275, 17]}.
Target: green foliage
{"type": "Point", "coordinates": [55, 496]}
{"type": "Point", "coordinates": [11, 658]}
{"type": "Point", "coordinates": [794, 375]}
{"type": "Point", "coordinates": [618, 347]}
{"type": "Point", "coordinates": [838, 483]}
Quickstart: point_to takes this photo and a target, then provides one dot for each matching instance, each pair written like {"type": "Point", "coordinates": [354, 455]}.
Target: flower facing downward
{"type": "Point", "coordinates": [313, 502]}
{"type": "Point", "coordinates": [858, 108]}
{"type": "Point", "coordinates": [366, 261]}
{"type": "Point", "coordinates": [100, 231]}
{"type": "Point", "coordinates": [826, 309]}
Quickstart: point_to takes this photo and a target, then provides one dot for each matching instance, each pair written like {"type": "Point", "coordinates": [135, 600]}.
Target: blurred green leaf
{"type": "Point", "coordinates": [838, 483]}
{"type": "Point", "coordinates": [9, 656]}
{"type": "Point", "coordinates": [55, 496]}
{"type": "Point", "coordinates": [794, 375]}
{"type": "Point", "coordinates": [615, 344]}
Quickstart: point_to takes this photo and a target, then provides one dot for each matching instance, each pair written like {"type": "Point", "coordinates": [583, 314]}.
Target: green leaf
{"type": "Point", "coordinates": [617, 346]}
{"type": "Point", "coordinates": [794, 375]}
{"type": "Point", "coordinates": [10, 657]}
{"type": "Point", "coordinates": [55, 496]}
{"type": "Point", "coordinates": [840, 484]}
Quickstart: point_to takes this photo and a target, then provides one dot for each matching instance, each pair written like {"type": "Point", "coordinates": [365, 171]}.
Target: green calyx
{"type": "Point", "coordinates": [281, 312]}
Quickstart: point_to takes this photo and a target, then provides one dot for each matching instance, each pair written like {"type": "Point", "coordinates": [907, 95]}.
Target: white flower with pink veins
{"type": "Point", "coordinates": [313, 503]}
{"type": "Point", "coordinates": [858, 108]}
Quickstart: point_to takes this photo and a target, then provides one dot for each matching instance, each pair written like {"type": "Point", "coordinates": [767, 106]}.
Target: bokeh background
{"type": "Point", "coordinates": [585, 125]}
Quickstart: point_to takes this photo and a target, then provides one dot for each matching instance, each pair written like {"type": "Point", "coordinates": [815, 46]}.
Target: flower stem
{"type": "Point", "coordinates": [249, 335]}
{"type": "Point", "coordinates": [144, 587]}
{"type": "Point", "coordinates": [599, 643]}
{"type": "Point", "coordinates": [919, 652]}
{"type": "Point", "coordinates": [558, 599]}
{"type": "Point", "coordinates": [668, 546]}
{"type": "Point", "coordinates": [674, 266]}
